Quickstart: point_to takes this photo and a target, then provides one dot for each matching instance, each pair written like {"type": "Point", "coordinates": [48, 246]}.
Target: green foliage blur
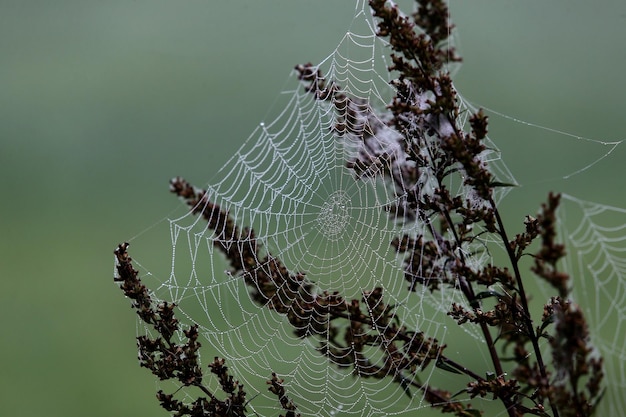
{"type": "Point", "coordinates": [102, 102]}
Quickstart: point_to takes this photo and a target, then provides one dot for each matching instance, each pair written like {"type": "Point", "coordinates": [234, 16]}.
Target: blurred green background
{"type": "Point", "coordinates": [101, 102]}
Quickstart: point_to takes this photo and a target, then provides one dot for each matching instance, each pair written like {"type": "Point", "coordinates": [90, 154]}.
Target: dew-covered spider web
{"type": "Point", "coordinates": [293, 183]}
{"type": "Point", "coordinates": [595, 237]}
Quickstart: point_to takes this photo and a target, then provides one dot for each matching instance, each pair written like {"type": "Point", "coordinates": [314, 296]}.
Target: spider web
{"type": "Point", "coordinates": [595, 238]}
{"type": "Point", "coordinates": [290, 183]}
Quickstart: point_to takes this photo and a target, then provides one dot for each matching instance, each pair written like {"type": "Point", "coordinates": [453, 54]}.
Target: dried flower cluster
{"type": "Point", "coordinates": [425, 147]}
{"type": "Point", "coordinates": [180, 362]}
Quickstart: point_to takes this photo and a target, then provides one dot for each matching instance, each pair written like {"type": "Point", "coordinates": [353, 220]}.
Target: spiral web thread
{"type": "Point", "coordinates": [595, 238]}
{"type": "Point", "coordinates": [289, 182]}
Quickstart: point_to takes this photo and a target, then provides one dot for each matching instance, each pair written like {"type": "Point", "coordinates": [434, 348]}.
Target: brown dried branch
{"type": "Point", "coordinates": [181, 362]}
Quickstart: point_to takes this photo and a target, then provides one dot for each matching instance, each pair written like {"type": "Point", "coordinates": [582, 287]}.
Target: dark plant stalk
{"type": "Point", "coordinates": [523, 299]}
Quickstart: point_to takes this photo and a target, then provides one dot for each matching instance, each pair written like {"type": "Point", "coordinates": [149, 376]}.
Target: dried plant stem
{"type": "Point", "coordinates": [523, 299]}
